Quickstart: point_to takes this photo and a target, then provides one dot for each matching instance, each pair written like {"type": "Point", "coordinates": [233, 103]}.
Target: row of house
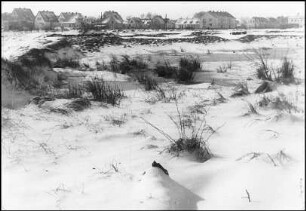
{"type": "Point", "coordinates": [203, 20]}
{"type": "Point", "coordinates": [279, 22]}
{"type": "Point", "coordinates": [24, 19]}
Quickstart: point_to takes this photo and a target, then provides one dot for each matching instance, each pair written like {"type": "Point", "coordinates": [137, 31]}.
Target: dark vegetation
{"type": "Point", "coordinates": [165, 70]}
{"type": "Point", "coordinates": [103, 92]}
{"type": "Point", "coordinates": [187, 69]}
{"type": "Point", "coordinates": [193, 131]}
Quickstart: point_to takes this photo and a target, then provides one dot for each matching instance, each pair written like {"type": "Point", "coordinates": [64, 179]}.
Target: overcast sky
{"type": "Point", "coordinates": [174, 10]}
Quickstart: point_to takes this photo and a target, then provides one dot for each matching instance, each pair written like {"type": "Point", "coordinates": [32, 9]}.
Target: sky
{"type": "Point", "coordinates": [173, 9]}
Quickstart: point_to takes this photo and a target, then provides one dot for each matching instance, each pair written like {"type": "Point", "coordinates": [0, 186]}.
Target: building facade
{"type": "Point", "coordinates": [187, 23]}
{"type": "Point", "coordinates": [297, 20]}
{"type": "Point", "coordinates": [46, 20]}
{"type": "Point", "coordinates": [20, 19]}
{"type": "Point", "coordinates": [217, 20]}
{"type": "Point", "coordinates": [135, 23]}
{"type": "Point", "coordinates": [112, 20]}
{"type": "Point", "coordinates": [70, 19]}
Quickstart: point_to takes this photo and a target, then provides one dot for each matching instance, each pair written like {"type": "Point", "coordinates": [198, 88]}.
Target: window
{"type": "Point", "coordinates": [210, 19]}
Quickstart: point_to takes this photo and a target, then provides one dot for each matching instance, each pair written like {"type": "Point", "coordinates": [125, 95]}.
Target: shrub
{"type": "Point", "coordinates": [148, 81]}
{"type": "Point", "coordinates": [165, 70]}
{"type": "Point", "coordinates": [127, 65]}
{"type": "Point", "coordinates": [285, 72]}
{"type": "Point", "coordinates": [104, 93]}
{"type": "Point", "coordinates": [191, 130]}
{"type": "Point", "coordinates": [263, 71]}
{"type": "Point", "coordinates": [187, 69]}
{"type": "Point", "coordinates": [114, 64]}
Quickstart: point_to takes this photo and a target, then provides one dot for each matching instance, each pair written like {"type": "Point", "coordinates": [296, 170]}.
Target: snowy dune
{"type": "Point", "coordinates": [84, 161]}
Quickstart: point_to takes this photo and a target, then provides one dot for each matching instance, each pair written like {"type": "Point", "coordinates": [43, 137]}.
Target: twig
{"type": "Point", "coordinates": [271, 159]}
{"type": "Point", "coordinates": [248, 194]}
{"type": "Point", "coordinates": [159, 130]}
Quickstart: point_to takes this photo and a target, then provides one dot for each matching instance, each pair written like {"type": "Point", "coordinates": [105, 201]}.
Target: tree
{"type": "Point", "coordinates": [199, 14]}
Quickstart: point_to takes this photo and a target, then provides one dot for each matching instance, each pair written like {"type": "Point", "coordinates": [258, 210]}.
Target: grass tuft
{"type": "Point", "coordinates": [187, 69]}
{"type": "Point", "coordinates": [103, 92]}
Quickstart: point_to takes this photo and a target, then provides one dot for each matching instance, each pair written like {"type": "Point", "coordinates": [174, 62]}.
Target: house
{"type": "Point", "coordinates": [297, 20]}
{"type": "Point", "coordinates": [20, 19]}
{"type": "Point", "coordinates": [187, 23]}
{"type": "Point", "coordinates": [157, 22]}
{"type": "Point", "coordinates": [258, 23]}
{"type": "Point", "coordinates": [70, 19]}
{"type": "Point", "coordinates": [46, 20]}
{"type": "Point", "coordinates": [282, 20]}
{"type": "Point", "coordinates": [112, 20]}
{"type": "Point", "coordinates": [217, 20]}
{"type": "Point", "coordinates": [273, 23]}
{"type": "Point", "coordinates": [135, 23]}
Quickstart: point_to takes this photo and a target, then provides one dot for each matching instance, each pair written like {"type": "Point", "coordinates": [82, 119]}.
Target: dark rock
{"type": "Point", "coordinates": [158, 165]}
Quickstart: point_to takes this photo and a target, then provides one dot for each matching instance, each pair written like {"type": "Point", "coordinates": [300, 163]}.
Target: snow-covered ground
{"type": "Point", "coordinates": [85, 161]}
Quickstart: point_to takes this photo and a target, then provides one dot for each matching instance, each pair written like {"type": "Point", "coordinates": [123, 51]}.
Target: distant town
{"type": "Point", "coordinates": [23, 19]}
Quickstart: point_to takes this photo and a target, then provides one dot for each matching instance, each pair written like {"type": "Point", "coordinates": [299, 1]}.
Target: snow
{"type": "Point", "coordinates": [83, 161]}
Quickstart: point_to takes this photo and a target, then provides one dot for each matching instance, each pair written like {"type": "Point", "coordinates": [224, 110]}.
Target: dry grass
{"type": "Point", "coordinates": [165, 70]}
{"type": "Point", "coordinates": [79, 104]}
{"type": "Point", "coordinates": [241, 89]}
{"type": "Point", "coordinates": [116, 121]}
{"type": "Point", "coordinates": [280, 103]}
{"type": "Point", "coordinates": [187, 69]}
{"type": "Point", "coordinates": [193, 131]}
{"type": "Point", "coordinates": [103, 92]}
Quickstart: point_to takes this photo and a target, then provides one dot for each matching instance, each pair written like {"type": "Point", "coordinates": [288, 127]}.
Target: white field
{"type": "Point", "coordinates": [82, 161]}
